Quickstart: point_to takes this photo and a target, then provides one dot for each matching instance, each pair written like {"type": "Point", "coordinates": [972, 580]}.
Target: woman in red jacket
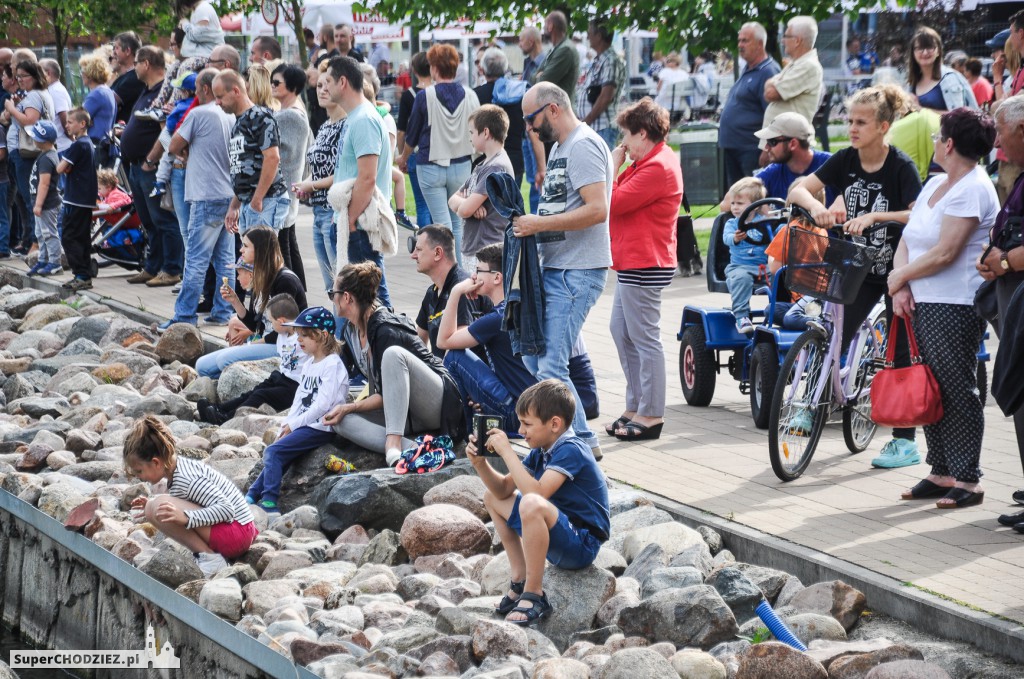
{"type": "Point", "coordinates": [644, 208]}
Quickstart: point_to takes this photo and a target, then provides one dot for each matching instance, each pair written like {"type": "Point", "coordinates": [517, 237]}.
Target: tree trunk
{"type": "Point", "coordinates": [296, 6]}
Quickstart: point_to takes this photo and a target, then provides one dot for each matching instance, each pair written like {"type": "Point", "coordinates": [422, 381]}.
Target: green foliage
{"type": "Point", "coordinates": [760, 634]}
{"type": "Point", "coordinates": [287, 9]}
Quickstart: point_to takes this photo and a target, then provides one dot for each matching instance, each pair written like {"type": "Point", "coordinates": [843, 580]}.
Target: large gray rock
{"type": "Point", "coordinates": [695, 556]}
{"type": "Point", "coordinates": [463, 491]}
{"type": "Point", "coordinates": [858, 666]}
{"type": "Point", "coordinates": [136, 362]}
{"type": "Point", "coordinates": [576, 597]}
{"type": "Point", "coordinates": [668, 578]}
{"type": "Point", "coordinates": [631, 663]}
{"type": "Point", "coordinates": [38, 406]}
{"type": "Point", "coordinates": [223, 597]}
{"type": "Point", "coordinates": [694, 616]}
{"type": "Point", "coordinates": [638, 517]}
{"type": "Point", "coordinates": [46, 344]}
{"type": "Point", "coordinates": [172, 568]}
{"type": "Point", "coordinates": [92, 328]}
{"type": "Point", "coordinates": [97, 470]}
{"type": "Point", "coordinates": [643, 564]}
{"type": "Point", "coordinates": [299, 483]}
{"type": "Point", "coordinates": [58, 499]}
{"type": "Point", "coordinates": [163, 404]}
{"type": "Point", "coordinates": [673, 538]}
{"type": "Point", "coordinates": [768, 580]}
{"type": "Point", "coordinates": [693, 664]}
{"type": "Point", "coordinates": [738, 592]}
{"type": "Point", "coordinates": [79, 382]}
{"type": "Point", "coordinates": [376, 499]}
{"type": "Point", "coordinates": [181, 342]}
{"type": "Point", "coordinates": [385, 548]}
{"type": "Point", "coordinates": [835, 598]}
{"type": "Point", "coordinates": [81, 347]}
{"type": "Point", "coordinates": [121, 329]}
{"type": "Point", "coordinates": [443, 529]}
{"type": "Point", "coordinates": [43, 314]}
{"type": "Point", "coordinates": [907, 669]}
{"type": "Point", "coordinates": [262, 596]}
{"type": "Point", "coordinates": [492, 638]}
{"type": "Point", "coordinates": [18, 387]}
{"type": "Point", "coordinates": [771, 659]}
{"type": "Point", "coordinates": [17, 304]}
{"type": "Point", "coordinates": [242, 377]}
{"type": "Point", "coordinates": [561, 668]}
{"type": "Point", "coordinates": [810, 627]}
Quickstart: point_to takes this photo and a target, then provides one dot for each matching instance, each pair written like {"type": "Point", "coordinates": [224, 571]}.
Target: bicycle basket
{"type": "Point", "coordinates": [827, 268]}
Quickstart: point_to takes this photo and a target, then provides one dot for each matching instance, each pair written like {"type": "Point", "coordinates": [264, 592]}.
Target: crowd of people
{"type": "Point", "coordinates": [219, 159]}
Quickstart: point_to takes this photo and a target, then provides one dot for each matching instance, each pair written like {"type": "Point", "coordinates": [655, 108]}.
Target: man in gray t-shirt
{"type": "Point", "coordinates": [203, 137]}
{"type": "Point", "coordinates": [571, 227]}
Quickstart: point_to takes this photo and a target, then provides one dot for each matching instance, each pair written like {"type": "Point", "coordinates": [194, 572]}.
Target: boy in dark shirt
{"type": "Point", "coordinates": [553, 504]}
{"type": "Point", "coordinates": [79, 199]}
{"type": "Point", "coordinates": [45, 199]}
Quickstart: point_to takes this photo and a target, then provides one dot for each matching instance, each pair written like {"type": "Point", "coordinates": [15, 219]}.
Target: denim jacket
{"type": "Point", "coordinates": [524, 286]}
{"type": "Point", "coordinates": [749, 252]}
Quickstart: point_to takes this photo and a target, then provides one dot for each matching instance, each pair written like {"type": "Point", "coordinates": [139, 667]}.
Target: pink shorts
{"type": "Point", "coordinates": [232, 540]}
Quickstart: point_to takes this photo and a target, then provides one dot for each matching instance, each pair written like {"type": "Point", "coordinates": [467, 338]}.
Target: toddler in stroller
{"type": "Point", "coordinates": [117, 236]}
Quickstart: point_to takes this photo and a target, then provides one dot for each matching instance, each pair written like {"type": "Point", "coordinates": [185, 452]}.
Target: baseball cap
{"type": "Point", "coordinates": [43, 131]}
{"type": "Point", "coordinates": [243, 265]}
{"type": "Point", "coordinates": [787, 124]}
{"type": "Point", "coordinates": [315, 317]}
{"type": "Point", "coordinates": [998, 41]}
{"type": "Point", "coordinates": [186, 81]}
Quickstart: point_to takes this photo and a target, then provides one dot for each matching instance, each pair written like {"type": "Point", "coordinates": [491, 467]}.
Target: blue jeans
{"type": "Point", "coordinates": [181, 208]}
{"type": "Point", "coordinates": [569, 295]}
{"type": "Point", "coordinates": [479, 384]}
{"type": "Point", "coordinates": [274, 214]}
{"type": "Point", "coordinates": [166, 247]}
{"type": "Point", "coordinates": [360, 250]}
{"type": "Point", "coordinates": [422, 211]}
{"type": "Point", "coordinates": [212, 365]}
{"type": "Point", "coordinates": [739, 278]}
{"type": "Point", "coordinates": [569, 547]}
{"type": "Point", "coordinates": [5, 220]}
{"type": "Point", "coordinates": [530, 169]}
{"type": "Point", "coordinates": [325, 243]}
{"type": "Point", "coordinates": [610, 135]}
{"type": "Point", "coordinates": [208, 241]}
{"type": "Point", "coordinates": [22, 172]}
{"type": "Point", "coordinates": [439, 184]}
{"type": "Point", "coordinates": [279, 455]}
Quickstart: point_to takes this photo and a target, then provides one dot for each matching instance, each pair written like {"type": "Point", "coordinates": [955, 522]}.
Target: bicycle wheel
{"type": "Point", "coordinates": [797, 418]}
{"type": "Point", "coordinates": [858, 427]}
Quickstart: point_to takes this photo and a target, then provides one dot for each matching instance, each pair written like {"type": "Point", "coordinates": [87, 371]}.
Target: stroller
{"type": "Point", "coordinates": [117, 236]}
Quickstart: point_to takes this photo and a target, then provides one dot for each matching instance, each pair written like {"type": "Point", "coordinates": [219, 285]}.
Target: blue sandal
{"type": "Point", "coordinates": [541, 608]}
{"type": "Point", "coordinates": [508, 604]}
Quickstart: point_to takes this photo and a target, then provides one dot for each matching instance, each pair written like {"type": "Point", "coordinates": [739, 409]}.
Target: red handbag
{"type": "Point", "coordinates": [905, 397]}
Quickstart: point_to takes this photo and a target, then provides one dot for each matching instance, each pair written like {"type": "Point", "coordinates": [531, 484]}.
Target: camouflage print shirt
{"type": "Point", "coordinates": [254, 132]}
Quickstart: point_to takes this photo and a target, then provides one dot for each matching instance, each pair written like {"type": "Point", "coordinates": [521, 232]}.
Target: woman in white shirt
{"type": "Point", "coordinates": [671, 84]}
{"type": "Point", "coordinates": [933, 284]}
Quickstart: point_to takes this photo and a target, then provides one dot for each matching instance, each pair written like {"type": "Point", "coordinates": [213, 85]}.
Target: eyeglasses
{"type": "Point", "coordinates": [786, 36]}
{"type": "Point", "coordinates": [22, 76]}
{"type": "Point", "coordinates": [217, 61]}
{"type": "Point", "coordinates": [922, 48]}
{"type": "Point", "coordinates": [937, 136]}
{"type": "Point", "coordinates": [275, 83]}
{"type": "Point", "coordinates": [529, 119]}
{"type": "Point", "coordinates": [480, 272]}
{"type": "Point", "coordinates": [770, 143]}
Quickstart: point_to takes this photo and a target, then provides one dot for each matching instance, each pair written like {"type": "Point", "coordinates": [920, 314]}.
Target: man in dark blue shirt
{"type": "Point", "coordinates": [743, 113]}
{"type": "Point", "coordinates": [788, 145]}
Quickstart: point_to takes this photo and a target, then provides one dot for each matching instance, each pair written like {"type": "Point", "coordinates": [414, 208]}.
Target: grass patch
{"type": "Point", "coordinates": [958, 602]}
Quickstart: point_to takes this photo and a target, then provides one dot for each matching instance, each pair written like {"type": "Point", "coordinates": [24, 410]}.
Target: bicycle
{"type": "Point", "coordinates": [814, 382]}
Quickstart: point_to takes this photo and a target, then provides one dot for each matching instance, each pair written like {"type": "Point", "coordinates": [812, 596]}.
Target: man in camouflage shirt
{"type": "Point", "coordinates": [597, 102]}
{"type": "Point", "coordinates": [254, 158]}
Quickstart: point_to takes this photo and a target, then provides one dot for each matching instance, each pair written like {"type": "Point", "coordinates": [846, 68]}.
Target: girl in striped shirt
{"type": "Point", "coordinates": [202, 509]}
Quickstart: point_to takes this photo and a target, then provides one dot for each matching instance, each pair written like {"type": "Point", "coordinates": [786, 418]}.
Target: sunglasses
{"type": "Point", "coordinates": [776, 141]}
{"type": "Point", "coordinates": [332, 293]}
{"type": "Point", "coordinates": [275, 83]}
{"type": "Point", "coordinates": [529, 119]}
{"type": "Point", "coordinates": [481, 272]}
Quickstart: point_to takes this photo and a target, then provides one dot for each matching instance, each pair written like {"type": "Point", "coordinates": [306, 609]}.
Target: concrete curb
{"type": "Point", "coordinates": [923, 611]}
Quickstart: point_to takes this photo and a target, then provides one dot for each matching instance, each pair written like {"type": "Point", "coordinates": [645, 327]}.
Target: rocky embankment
{"type": "Point", "coordinates": [374, 574]}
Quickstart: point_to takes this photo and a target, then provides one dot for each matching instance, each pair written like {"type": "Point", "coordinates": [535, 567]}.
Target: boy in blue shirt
{"type": "Point", "coordinates": [79, 200]}
{"type": "Point", "coordinates": [747, 258]}
{"type": "Point", "coordinates": [553, 504]}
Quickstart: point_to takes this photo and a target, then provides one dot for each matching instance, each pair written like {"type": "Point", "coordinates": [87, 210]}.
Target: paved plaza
{"type": "Point", "coordinates": [716, 461]}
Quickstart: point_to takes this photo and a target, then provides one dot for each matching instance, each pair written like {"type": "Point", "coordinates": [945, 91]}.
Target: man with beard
{"type": "Point", "coordinates": [571, 227]}
{"type": "Point", "coordinates": [787, 141]}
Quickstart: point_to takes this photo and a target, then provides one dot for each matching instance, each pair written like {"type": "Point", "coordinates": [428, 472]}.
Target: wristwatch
{"type": "Point", "coordinates": [1004, 261]}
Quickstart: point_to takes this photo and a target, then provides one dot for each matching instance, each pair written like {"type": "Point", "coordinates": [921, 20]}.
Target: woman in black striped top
{"type": "Point", "coordinates": [202, 510]}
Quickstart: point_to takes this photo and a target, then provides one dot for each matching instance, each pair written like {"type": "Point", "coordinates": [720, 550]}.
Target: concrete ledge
{"type": "Point", "coordinates": [65, 592]}
{"type": "Point", "coordinates": [925, 612]}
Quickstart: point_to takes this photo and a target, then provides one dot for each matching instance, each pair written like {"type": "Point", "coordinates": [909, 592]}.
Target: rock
{"type": "Point", "coordinates": [462, 491]}
{"type": "Point", "coordinates": [385, 548]}
{"type": "Point", "coordinates": [97, 470]}
{"type": "Point", "coordinates": [498, 639]}
{"type": "Point", "coordinates": [771, 659]}
{"type": "Point", "coordinates": [300, 481]}
{"type": "Point", "coordinates": [376, 499]}
{"type": "Point", "coordinates": [641, 565]}
{"type": "Point", "coordinates": [788, 591]}
{"type": "Point", "coordinates": [630, 663]}
{"type": "Point", "coordinates": [668, 578]}
{"type": "Point", "coordinates": [859, 665]}
{"type": "Point", "coordinates": [223, 597]}
{"type": "Point", "coordinates": [79, 517]}
{"type": "Point", "coordinates": [610, 560]}
{"type": "Point", "coordinates": [695, 616]}
{"type": "Point", "coordinates": [37, 407]}
{"type": "Point", "coordinates": [417, 585]}
{"type": "Point", "coordinates": [239, 378]}
{"type": "Point", "coordinates": [123, 329]}
{"type": "Point", "coordinates": [59, 459]}
{"type": "Point", "coordinates": [768, 580]}
{"type": "Point", "coordinates": [191, 589]}
{"type": "Point", "coordinates": [17, 304]}
{"type": "Point", "coordinates": [37, 343]}
{"type": "Point", "coordinates": [112, 373]}
{"type": "Point", "coordinates": [305, 652]}
{"type": "Point", "coordinates": [826, 652]}
{"type": "Point", "coordinates": [201, 387]}
{"type": "Point", "coordinates": [738, 592]}
{"type": "Point", "coordinates": [80, 382]}
{"type": "Point", "coordinates": [137, 362]}
{"type": "Point", "coordinates": [712, 539]}
{"type": "Point", "coordinates": [835, 598]}
{"type": "Point", "coordinates": [907, 669]}
{"type": "Point", "coordinates": [561, 668]}
{"type": "Point", "coordinates": [696, 556]}
{"type": "Point", "coordinates": [92, 328]}
{"type": "Point", "coordinates": [284, 562]}
{"type": "Point", "coordinates": [172, 568]}
{"type": "Point", "coordinates": [18, 387]}
{"type": "Point", "coordinates": [576, 597]}
{"type": "Point", "coordinates": [80, 440]}
{"type": "Point", "coordinates": [126, 549]}
{"type": "Point", "coordinates": [11, 366]}
{"type": "Point", "coordinates": [609, 612]}
{"type": "Point", "coordinates": [162, 404]}
{"type": "Point", "coordinates": [81, 347]}
{"type": "Point", "coordinates": [496, 575]}
{"type": "Point", "coordinates": [305, 517]}
{"type": "Point", "coordinates": [262, 596]}
{"type": "Point", "coordinates": [58, 499]}
{"type": "Point", "coordinates": [409, 637]}
{"type": "Point", "coordinates": [810, 627]}
{"type": "Point", "coordinates": [44, 314]}
{"type": "Point", "coordinates": [691, 664]}
{"type": "Point", "coordinates": [181, 342]}
{"type": "Point", "coordinates": [673, 538]}
{"type": "Point", "coordinates": [441, 529]}
{"type": "Point", "coordinates": [34, 457]}
{"type": "Point", "coordinates": [160, 380]}
{"type": "Point", "coordinates": [439, 664]}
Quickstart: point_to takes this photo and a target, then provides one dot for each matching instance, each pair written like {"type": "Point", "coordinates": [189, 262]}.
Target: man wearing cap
{"type": "Point", "coordinates": [204, 136]}
{"type": "Point", "coordinates": [799, 86]}
{"type": "Point", "coordinates": [787, 141]}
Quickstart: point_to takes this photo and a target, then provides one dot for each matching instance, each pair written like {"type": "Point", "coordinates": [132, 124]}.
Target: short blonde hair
{"type": "Point", "coordinates": [751, 187]}
{"type": "Point", "coordinates": [95, 67]}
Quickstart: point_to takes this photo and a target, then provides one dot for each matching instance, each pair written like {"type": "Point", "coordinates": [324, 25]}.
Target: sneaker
{"type": "Point", "coordinates": [897, 453]}
{"type": "Point", "coordinates": [176, 289]}
{"type": "Point", "coordinates": [157, 115]}
{"type": "Point", "coordinates": [213, 320]}
{"type": "Point", "coordinates": [19, 251]}
{"type": "Point", "coordinates": [36, 268]}
{"type": "Point", "coordinates": [210, 563]}
{"type": "Point", "coordinates": [159, 189]}
{"type": "Point", "coordinates": [211, 414]}
{"type": "Point", "coordinates": [76, 284]}
{"type": "Point", "coordinates": [801, 422]}
{"type": "Point", "coordinates": [403, 220]}
{"type": "Point", "coordinates": [164, 327]}
{"type": "Point", "coordinates": [163, 279]}
{"type": "Point", "coordinates": [141, 277]}
{"type": "Point", "coordinates": [205, 306]}
{"type": "Point", "coordinates": [250, 500]}
{"type": "Point", "coordinates": [269, 506]}
{"type": "Point", "coordinates": [744, 326]}
{"type": "Point", "coordinates": [54, 269]}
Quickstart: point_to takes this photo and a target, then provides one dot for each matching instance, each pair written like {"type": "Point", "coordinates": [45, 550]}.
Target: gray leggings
{"type": "Point", "coordinates": [402, 375]}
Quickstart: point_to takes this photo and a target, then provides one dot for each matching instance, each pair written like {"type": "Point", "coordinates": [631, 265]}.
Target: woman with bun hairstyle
{"type": "Point", "coordinates": [411, 392]}
{"type": "Point", "coordinates": [877, 183]}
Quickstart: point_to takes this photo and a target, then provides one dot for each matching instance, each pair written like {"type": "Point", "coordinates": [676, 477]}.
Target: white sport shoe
{"type": "Point", "coordinates": [210, 563]}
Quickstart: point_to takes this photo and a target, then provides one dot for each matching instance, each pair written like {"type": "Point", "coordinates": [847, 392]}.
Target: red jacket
{"type": "Point", "coordinates": [645, 205]}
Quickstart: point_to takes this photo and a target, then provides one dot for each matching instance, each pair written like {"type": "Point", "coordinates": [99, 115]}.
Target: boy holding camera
{"type": "Point", "coordinates": [553, 504]}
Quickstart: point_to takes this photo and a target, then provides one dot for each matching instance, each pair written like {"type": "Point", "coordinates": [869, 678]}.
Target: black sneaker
{"type": "Point", "coordinates": [212, 414]}
{"type": "Point", "coordinates": [1011, 519]}
{"type": "Point", "coordinates": [1018, 496]}
{"type": "Point", "coordinates": [205, 306]}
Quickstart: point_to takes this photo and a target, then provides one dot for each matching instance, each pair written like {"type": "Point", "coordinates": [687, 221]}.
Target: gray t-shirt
{"type": "Point", "coordinates": [207, 129]}
{"type": "Point", "coordinates": [582, 160]}
{"type": "Point", "coordinates": [479, 233]}
{"type": "Point", "coordinates": [41, 101]}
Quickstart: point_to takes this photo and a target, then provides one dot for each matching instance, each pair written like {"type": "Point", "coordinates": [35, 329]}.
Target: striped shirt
{"type": "Point", "coordinates": [653, 277]}
{"type": "Point", "coordinates": [203, 485]}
